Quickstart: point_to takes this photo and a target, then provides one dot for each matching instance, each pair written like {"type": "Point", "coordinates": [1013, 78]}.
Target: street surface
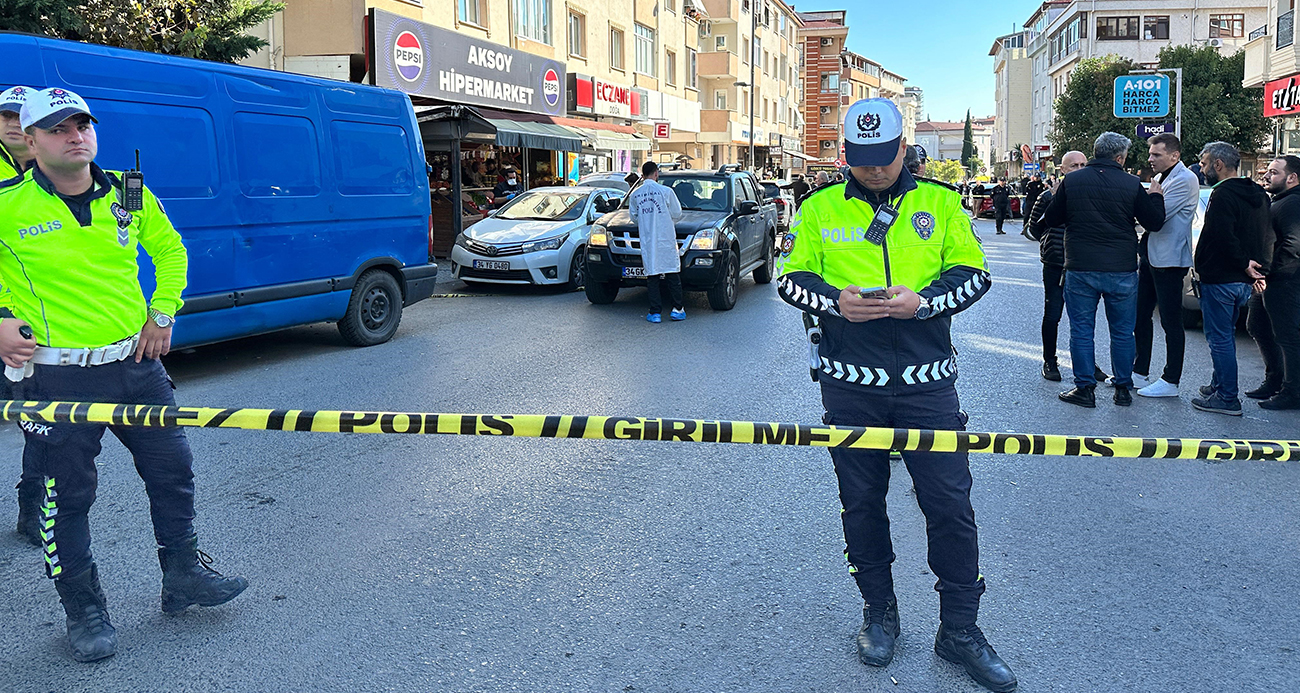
{"type": "Point", "coordinates": [473, 564]}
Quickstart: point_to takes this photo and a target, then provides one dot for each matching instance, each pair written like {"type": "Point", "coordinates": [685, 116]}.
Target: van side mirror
{"type": "Point", "coordinates": [747, 207]}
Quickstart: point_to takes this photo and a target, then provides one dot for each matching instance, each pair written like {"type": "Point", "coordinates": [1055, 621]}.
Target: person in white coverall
{"type": "Point", "coordinates": [655, 209]}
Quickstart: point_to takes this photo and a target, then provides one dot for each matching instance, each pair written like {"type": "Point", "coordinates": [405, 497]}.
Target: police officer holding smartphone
{"type": "Point", "coordinates": [69, 234]}
{"type": "Point", "coordinates": [885, 261]}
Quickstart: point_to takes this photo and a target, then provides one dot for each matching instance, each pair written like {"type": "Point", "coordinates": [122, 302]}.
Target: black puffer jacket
{"type": "Point", "coordinates": [1236, 231]}
{"type": "Point", "coordinates": [1098, 205]}
{"type": "Point", "coordinates": [1051, 239]}
{"type": "Point", "coordinates": [1285, 213]}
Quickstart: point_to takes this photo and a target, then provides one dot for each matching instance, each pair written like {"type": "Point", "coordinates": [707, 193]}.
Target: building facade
{"type": "Point", "coordinates": [943, 140]}
{"type": "Point", "coordinates": [1012, 87]}
{"type": "Point", "coordinates": [1273, 62]}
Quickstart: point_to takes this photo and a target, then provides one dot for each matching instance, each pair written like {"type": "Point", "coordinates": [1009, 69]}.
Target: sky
{"type": "Point", "coordinates": [941, 46]}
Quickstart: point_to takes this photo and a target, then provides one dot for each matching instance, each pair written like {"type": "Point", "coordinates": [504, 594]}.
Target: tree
{"type": "Point", "coordinates": [207, 29]}
{"type": "Point", "coordinates": [968, 149]}
{"type": "Point", "coordinates": [1085, 109]}
{"type": "Point", "coordinates": [946, 170]}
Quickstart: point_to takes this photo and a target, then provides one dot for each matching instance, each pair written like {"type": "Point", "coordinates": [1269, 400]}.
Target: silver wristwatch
{"type": "Point", "coordinates": [923, 310]}
{"type": "Point", "coordinates": [161, 319]}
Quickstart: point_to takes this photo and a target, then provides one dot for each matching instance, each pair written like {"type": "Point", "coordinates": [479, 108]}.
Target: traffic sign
{"type": "Point", "coordinates": [1141, 96]}
{"type": "Point", "coordinates": [1149, 130]}
{"type": "Point", "coordinates": [1030, 168]}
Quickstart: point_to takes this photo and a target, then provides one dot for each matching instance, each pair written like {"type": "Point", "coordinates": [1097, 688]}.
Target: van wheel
{"type": "Point", "coordinates": [764, 273]}
{"type": "Point", "coordinates": [374, 311]}
{"type": "Point", "coordinates": [601, 293]}
{"type": "Point", "coordinates": [723, 294]}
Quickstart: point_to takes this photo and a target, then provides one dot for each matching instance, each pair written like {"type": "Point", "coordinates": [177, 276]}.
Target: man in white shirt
{"type": "Point", "coordinates": [1165, 257]}
{"type": "Point", "coordinates": [656, 210]}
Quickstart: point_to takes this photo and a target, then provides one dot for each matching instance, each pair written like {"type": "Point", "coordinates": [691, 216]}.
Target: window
{"type": "Point", "coordinates": [616, 49]}
{"type": "Point", "coordinates": [767, 57]}
{"type": "Point", "coordinates": [533, 20]}
{"type": "Point", "coordinates": [830, 82]}
{"type": "Point", "coordinates": [1227, 25]}
{"type": "Point", "coordinates": [692, 68]}
{"type": "Point", "coordinates": [719, 42]}
{"type": "Point", "coordinates": [1155, 27]}
{"type": "Point", "coordinates": [720, 99]}
{"type": "Point", "coordinates": [645, 50]}
{"type": "Point", "coordinates": [1117, 28]}
{"type": "Point", "coordinates": [470, 12]}
{"type": "Point", "coordinates": [670, 5]}
{"type": "Point", "coordinates": [744, 42]}
{"type": "Point", "coordinates": [670, 68]}
{"type": "Point", "coordinates": [744, 6]}
{"type": "Point", "coordinates": [577, 35]}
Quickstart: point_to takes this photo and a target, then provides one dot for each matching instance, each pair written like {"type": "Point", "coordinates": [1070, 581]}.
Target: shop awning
{"type": "Point", "coordinates": [799, 155]}
{"type": "Point", "coordinates": [523, 133]}
{"type": "Point", "coordinates": [615, 141]}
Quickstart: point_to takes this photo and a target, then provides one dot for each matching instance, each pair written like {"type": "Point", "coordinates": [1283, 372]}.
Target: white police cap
{"type": "Point", "coordinates": [49, 107]}
{"type": "Point", "coordinates": [872, 131]}
{"type": "Point", "coordinates": [13, 98]}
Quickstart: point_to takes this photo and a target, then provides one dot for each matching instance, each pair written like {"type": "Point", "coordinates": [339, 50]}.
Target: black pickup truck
{"type": "Point", "coordinates": [727, 229]}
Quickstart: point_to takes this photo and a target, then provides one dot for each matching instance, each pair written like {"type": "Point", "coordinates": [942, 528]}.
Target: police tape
{"type": "Point", "coordinates": [31, 416]}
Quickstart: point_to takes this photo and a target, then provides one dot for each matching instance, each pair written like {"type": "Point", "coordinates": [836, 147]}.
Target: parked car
{"type": "Point", "coordinates": [540, 237]}
{"type": "Point", "coordinates": [1191, 302]}
{"type": "Point", "coordinates": [300, 200]}
{"type": "Point", "coordinates": [986, 206]}
{"type": "Point", "coordinates": [779, 192]}
{"type": "Point", "coordinates": [606, 179]}
{"type": "Point", "coordinates": [727, 229]}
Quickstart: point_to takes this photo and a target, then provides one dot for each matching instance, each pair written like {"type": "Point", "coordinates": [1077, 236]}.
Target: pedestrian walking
{"type": "Point", "coordinates": [656, 209]}
{"type": "Point", "coordinates": [1231, 255]}
{"type": "Point", "coordinates": [1033, 189]}
{"type": "Point", "coordinates": [799, 188]}
{"type": "Point", "coordinates": [1051, 251]}
{"type": "Point", "coordinates": [1001, 196]}
{"type": "Point", "coordinates": [1098, 206]}
{"type": "Point", "coordinates": [1274, 313]}
{"type": "Point", "coordinates": [886, 294]}
{"type": "Point", "coordinates": [91, 233]}
{"type": "Point", "coordinates": [1165, 256]}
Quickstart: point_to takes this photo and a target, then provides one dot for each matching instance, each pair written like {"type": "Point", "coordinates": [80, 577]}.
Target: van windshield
{"type": "Point", "coordinates": [545, 205]}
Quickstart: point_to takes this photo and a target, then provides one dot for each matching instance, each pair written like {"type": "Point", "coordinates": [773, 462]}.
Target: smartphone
{"type": "Point", "coordinates": [877, 292]}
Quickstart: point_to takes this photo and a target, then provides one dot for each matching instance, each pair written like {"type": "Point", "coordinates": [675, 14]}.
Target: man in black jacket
{"type": "Point", "coordinates": [1098, 206]}
{"type": "Point", "coordinates": [1274, 317]}
{"type": "Point", "coordinates": [1001, 196]}
{"type": "Point", "coordinates": [1033, 189]}
{"type": "Point", "coordinates": [1231, 255]}
{"type": "Point", "coordinates": [1051, 249]}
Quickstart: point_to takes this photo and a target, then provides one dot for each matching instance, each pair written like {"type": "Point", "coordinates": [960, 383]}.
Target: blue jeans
{"type": "Point", "coordinates": [1082, 292]}
{"type": "Point", "coordinates": [1221, 305]}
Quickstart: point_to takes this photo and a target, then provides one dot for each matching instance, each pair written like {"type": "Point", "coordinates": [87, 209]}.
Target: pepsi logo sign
{"type": "Point", "coordinates": [408, 56]}
{"type": "Point", "coordinates": [551, 87]}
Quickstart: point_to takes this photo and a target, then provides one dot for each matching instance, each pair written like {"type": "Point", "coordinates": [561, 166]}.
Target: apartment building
{"type": "Point", "coordinates": [1060, 34]}
{"type": "Point", "coordinates": [944, 139]}
{"type": "Point", "coordinates": [1012, 94]}
{"type": "Point", "coordinates": [1273, 62]}
{"type": "Point", "coordinates": [748, 63]}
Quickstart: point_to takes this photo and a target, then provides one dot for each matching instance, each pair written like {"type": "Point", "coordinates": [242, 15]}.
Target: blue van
{"type": "Point", "coordinates": [300, 200]}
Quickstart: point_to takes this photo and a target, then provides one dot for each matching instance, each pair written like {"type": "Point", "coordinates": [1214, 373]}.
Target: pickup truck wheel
{"type": "Point", "coordinates": [375, 310]}
{"type": "Point", "coordinates": [723, 294]}
{"type": "Point", "coordinates": [601, 293]}
{"type": "Point", "coordinates": [764, 273]}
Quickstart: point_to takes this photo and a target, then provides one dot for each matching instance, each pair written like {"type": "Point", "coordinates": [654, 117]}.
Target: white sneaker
{"type": "Point", "coordinates": [1160, 388]}
{"type": "Point", "coordinates": [1141, 381]}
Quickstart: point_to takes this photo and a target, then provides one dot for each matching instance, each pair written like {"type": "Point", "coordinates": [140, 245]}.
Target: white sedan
{"type": "Point", "coordinates": [540, 237]}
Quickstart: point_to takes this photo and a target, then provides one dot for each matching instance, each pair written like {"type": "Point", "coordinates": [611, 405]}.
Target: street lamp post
{"type": "Point", "coordinates": [753, 35]}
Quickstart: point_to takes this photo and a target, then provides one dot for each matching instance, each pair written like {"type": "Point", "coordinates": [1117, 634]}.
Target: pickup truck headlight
{"type": "Point", "coordinates": [599, 236]}
{"type": "Point", "coordinates": [705, 239]}
{"type": "Point", "coordinates": [545, 244]}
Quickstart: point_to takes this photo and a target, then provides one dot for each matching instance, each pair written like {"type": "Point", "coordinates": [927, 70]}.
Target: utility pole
{"type": "Point", "coordinates": [753, 36]}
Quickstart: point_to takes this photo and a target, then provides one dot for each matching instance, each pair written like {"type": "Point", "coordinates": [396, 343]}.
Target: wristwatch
{"type": "Point", "coordinates": [161, 319]}
{"type": "Point", "coordinates": [924, 311]}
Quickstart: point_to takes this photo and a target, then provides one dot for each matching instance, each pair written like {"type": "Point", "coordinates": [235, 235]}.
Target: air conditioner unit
{"type": "Point", "coordinates": [1215, 43]}
{"type": "Point", "coordinates": [705, 29]}
{"type": "Point", "coordinates": [826, 40]}
{"type": "Point", "coordinates": [826, 109]}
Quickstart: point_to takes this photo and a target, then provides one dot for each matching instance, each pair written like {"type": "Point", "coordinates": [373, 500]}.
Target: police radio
{"type": "Point", "coordinates": [133, 187]}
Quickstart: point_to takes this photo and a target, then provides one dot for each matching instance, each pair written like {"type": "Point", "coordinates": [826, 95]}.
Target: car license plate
{"type": "Point", "coordinates": [634, 272]}
{"type": "Point", "coordinates": [491, 265]}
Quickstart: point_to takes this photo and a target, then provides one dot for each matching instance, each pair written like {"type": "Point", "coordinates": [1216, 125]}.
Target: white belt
{"type": "Point", "coordinates": [54, 356]}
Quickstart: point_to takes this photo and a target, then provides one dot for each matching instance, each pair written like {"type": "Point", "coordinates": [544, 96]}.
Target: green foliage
{"type": "Point", "coordinates": [1085, 109]}
{"type": "Point", "coordinates": [946, 170]}
{"type": "Point", "coordinates": [207, 29]}
{"type": "Point", "coordinates": [968, 149]}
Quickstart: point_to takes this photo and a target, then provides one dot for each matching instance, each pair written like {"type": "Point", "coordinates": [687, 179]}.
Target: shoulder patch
{"type": "Point", "coordinates": [923, 179]}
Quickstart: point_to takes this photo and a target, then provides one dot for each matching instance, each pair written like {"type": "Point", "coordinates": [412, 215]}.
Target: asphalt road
{"type": "Point", "coordinates": [473, 564]}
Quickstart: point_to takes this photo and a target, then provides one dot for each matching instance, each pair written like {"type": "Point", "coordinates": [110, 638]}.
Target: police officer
{"type": "Point", "coordinates": [70, 235]}
{"type": "Point", "coordinates": [884, 262]}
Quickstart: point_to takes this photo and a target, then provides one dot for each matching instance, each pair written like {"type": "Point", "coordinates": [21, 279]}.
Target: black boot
{"type": "Point", "coordinates": [188, 579]}
{"type": "Point", "coordinates": [1051, 372]}
{"type": "Point", "coordinates": [967, 647]}
{"type": "Point", "coordinates": [878, 633]}
{"type": "Point", "coordinates": [29, 510]}
{"type": "Point", "coordinates": [1282, 400]}
{"type": "Point", "coordinates": [1123, 396]}
{"type": "Point", "coordinates": [90, 633]}
{"type": "Point", "coordinates": [1266, 390]}
{"type": "Point", "coordinates": [1083, 395]}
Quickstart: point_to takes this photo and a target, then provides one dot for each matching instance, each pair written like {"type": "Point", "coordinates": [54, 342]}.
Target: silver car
{"type": "Point", "coordinates": [540, 237]}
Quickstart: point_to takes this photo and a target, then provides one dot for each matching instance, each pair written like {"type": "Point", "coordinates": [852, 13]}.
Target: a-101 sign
{"type": "Point", "coordinates": [1141, 96]}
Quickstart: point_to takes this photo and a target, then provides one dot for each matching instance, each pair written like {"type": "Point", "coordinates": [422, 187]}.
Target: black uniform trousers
{"type": "Point", "coordinates": [1053, 307]}
{"type": "Point", "coordinates": [655, 285]}
{"type": "Point", "coordinates": [1273, 321]}
{"type": "Point", "coordinates": [1001, 213]}
{"type": "Point", "coordinates": [65, 455]}
{"type": "Point", "coordinates": [1160, 287]}
{"type": "Point", "coordinates": [943, 484]}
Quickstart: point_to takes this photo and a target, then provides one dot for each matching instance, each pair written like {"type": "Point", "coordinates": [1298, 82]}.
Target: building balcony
{"type": "Point", "coordinates": [715, 64]}
{"type": "Point", "coordinates": [1272, 52]}
{"type": "Point", "coordinates": [716, 121]}
{"type": "Point", "coordinates": [721, 10]}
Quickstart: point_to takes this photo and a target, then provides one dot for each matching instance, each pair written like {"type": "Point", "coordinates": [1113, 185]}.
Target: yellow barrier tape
{"type": "Point", "coordinates": [641, 428]}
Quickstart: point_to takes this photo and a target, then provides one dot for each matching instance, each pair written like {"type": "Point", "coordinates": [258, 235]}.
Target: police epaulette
{"type": "Point", "coordinates": [936, 182]}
